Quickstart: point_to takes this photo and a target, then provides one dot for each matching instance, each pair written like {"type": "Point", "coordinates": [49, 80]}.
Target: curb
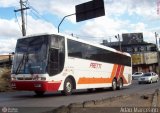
{"type": "Point", "coordinates": [92, 103]}
{"type": "Point", "coordinates": [85, 104]}
{"type": "Point", "coordinates": [155, 99]}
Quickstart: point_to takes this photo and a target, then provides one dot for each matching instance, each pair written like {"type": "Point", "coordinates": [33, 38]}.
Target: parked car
{"type": "Point", "coordinates": [136, 75]}
{"type": "Point", "coordinates": [149, 77]}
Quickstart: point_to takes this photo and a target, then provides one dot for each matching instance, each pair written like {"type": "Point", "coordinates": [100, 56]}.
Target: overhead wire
{"type": "Point", "coordinates": [18, 21]}
{"type": "Point", "coordinates": [37, 12]}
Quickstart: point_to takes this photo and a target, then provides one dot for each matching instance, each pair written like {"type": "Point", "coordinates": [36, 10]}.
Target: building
{"type": "Point", "coordinates": [144, 55]}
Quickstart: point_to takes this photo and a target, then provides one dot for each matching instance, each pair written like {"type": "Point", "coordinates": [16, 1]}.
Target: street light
{"type": "Point", "coordinates": [63, 19]}
{"type": "Point", "coordinates": [118, 37]}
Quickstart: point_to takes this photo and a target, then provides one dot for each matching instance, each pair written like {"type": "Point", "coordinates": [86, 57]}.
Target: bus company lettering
{"type": "Point", "coordinates": [95, 65]}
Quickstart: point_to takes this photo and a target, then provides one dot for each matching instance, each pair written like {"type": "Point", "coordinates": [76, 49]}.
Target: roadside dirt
{"type": "Point", "coordinates": [133, 103]}
{"type": "Point", "coordinates": [133, 100]}
{"type": "Point", "coordinates": [159, 100]}
{"type": "Point", "coordinates": [5, 79]}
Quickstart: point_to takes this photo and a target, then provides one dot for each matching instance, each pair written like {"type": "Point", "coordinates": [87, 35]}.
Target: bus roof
{"type": "Point", "coordinates": [97, 45]}
{"type": "Point", "coordinates": [80, 40]}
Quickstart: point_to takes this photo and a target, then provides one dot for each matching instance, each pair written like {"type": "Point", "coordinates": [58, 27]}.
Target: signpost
{"type": "Point", "coordinates": [88, 10]}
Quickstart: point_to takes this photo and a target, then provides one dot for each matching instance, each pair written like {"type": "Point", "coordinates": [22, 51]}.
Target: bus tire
{"type": "Point", "coordinates": [68, 87]}
{"type": "Point", "coordinates": [90, 90]}
{"type": "Point", "coordinates": [114, 84]}
{"type": "Point", "coordinates": [39, 93]}
{"type": "Point", "coordinates": [99, 89]}
{"type": "Point", "coordinates": [120, 84]}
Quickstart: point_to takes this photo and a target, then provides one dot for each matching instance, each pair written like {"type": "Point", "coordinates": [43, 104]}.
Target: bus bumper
{"type": "Point", "coordinates": [35, 85]}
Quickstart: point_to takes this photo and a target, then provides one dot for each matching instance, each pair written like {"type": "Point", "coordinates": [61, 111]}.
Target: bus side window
{"type": "Point", "coordinates": [53, 61]}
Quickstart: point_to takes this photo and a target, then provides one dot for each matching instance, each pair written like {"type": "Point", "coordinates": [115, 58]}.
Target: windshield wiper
{"type": "Point", "coordinates": [22, 62]}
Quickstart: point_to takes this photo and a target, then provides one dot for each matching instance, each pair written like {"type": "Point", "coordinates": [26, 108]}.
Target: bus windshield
{"type": "Point", "coordinates": [31, 55]}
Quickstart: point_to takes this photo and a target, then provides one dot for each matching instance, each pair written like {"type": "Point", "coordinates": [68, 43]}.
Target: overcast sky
{"type": "Point", "coordinates": [121, 16]}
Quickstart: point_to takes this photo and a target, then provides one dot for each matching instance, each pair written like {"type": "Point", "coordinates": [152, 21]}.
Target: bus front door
{"type": "Point", "coordinates": [53, 61]}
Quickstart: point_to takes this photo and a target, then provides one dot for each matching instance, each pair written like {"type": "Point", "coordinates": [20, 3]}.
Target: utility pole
{"type": "Point", "coordinates": [158, 55]}
{"type": "Point", "coordinates": [156, 40]}
{"type": "Point", "coordinates": [22, 16]}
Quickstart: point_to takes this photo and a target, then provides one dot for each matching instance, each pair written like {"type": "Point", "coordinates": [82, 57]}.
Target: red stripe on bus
{"type": "Point", "coordinates": [114, 70]}
{"type": "Point", "coordinates": [35, 85]}
{"type": "Point", "coordinates": [118, 72]}
{"type": "Point", "coordinates": [122, 75]}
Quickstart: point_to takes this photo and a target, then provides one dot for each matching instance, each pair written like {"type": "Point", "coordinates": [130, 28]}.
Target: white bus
{"type": "Point", "coordinates": [52, 62]}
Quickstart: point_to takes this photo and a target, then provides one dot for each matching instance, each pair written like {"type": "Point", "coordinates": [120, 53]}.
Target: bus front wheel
{"type": "Point", "coordinates": [68, 87]}
{"type": "Point", "coordinates": [39, 93]}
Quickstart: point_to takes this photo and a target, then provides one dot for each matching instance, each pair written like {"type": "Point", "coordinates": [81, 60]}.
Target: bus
{"type": "Point", "coordinates": [56, 62]}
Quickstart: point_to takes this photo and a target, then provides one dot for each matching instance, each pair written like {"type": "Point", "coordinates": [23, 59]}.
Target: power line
{"type": "Point", "coordinates": [18, 21]}
{"type": "Point", "coordinates": [37, 16]}
{"type": "Point", "coordinates": [36, 12]}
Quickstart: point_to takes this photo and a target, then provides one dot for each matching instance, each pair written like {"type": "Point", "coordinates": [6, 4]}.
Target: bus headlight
{"type": "Point", "coordinates": [13, 78]}
{"type": "Point", "coordinates": [42, 78]}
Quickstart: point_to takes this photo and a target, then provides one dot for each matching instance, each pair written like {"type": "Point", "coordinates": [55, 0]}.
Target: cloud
{"type": "Point", "coordinates": [9, 28]}
{"type": "Point", "coordinates": [58, 7]}
{"type": "Point", "coordinates": [39, 26]}
{"type": "Point", "coordinates": [9, 3]}
{"type": "Point", "coordinates": [139, 7]}
{"type": "Point", "coordinates": [119, 19]}
{"type": "Point", "coordinates": [7, 46]}
{"type": "Point", "coordinates": [10, 32]}
{"type": "Point", "coordinates": [107, 28]}
{"type": "Point", "coordinates": [104, 28]}
{"type": "Point", "coordinates": [61, 8]}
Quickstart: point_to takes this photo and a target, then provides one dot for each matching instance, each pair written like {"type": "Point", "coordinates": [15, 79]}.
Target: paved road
{"type": "Point", "coordinates": [28, 99]}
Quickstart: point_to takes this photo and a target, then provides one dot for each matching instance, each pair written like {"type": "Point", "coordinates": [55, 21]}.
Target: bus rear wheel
{"type": "Point", "coordinates": [39, 93]}
{"type": "Point", "coordinates": [68, 87]}
{"type": "Point", "coordinates": [114, 84]}
{"type": "Point", "coordinates": [90, 90]}
{"type": "Point", "coordinates": [120, 84]}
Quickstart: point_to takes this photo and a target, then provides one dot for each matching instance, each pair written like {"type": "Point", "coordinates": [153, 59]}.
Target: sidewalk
{"type": "Point", "coordinates": [134, 103]}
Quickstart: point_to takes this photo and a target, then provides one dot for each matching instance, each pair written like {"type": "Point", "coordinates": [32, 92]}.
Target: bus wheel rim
{"type": "Point", "coordinates": [120, 84]}
{"type": "Point", "coordinates": [114, 84]}
{"type": "Point", "coordinates": [68, 87]}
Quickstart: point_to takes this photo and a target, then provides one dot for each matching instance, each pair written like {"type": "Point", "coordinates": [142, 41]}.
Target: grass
{"type": "Point", "coordinates": [5, 79]}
